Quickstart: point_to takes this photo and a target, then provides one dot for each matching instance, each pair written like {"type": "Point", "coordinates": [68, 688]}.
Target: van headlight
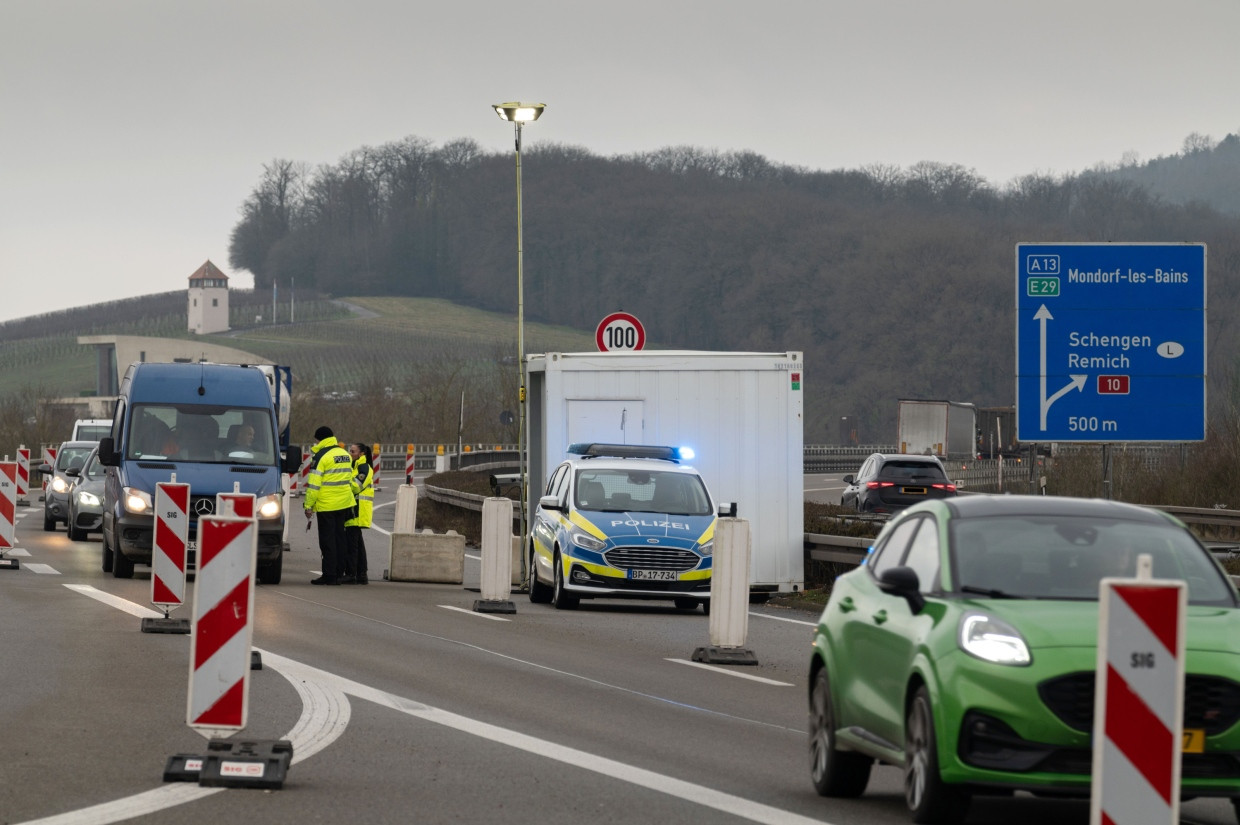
{"type": "Point", "coordinates": [270, 506]}
{"type": "Point", "coordinates": [136, 501]}
{"type": "Point", "coordinates": [706, 548]}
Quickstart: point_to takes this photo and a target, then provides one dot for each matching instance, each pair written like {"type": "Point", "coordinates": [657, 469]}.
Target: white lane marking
{"type": "Point", "coordinates": [381, 530]}
{"type": "Point", "coordinates": [17, 551]}
{"type": "Point", "coordinates": [45, 569]}
{"type": "Point", "coordinates": [325, 714]}
{"type": "Point", "coordinates": [115, 601]}
{"type": "Point", "coordinates": [735, 673]}
{"type": "Point", "coordinates": [782, 619]}
{"type": "Point", "coordinates": [688, 791]}
{"type": "Point", "coordinates": [331, 685]}
{"type": "Point", "coordinates": [475, 613]}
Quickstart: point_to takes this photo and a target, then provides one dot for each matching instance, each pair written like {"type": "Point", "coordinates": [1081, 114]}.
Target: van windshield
{"type": "Point", "coordinates": [190, 432]}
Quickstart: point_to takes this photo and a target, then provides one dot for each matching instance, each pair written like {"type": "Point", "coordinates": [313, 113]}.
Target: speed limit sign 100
{"type": "Point", "coordinates": [620, 332]}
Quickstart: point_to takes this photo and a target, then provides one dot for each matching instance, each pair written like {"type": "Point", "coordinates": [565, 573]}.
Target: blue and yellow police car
{"type": "Point", "coordinates": [622, 521]}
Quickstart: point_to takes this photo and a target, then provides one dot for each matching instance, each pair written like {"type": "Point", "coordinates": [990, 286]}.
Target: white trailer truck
{"type": "Point", "coordinates": [741, 412]}
{"type": "Point", "coordinates": [947, 429]}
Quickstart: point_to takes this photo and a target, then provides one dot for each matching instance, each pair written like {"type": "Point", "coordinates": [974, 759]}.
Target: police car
{"type": "Point", "coordinates": [622, 521]}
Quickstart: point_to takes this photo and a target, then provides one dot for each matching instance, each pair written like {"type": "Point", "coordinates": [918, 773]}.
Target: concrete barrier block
{"type": "Point", "coordinates": [428, 557]}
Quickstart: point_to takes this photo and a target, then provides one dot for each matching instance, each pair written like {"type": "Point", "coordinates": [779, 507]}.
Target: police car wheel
{"type": "Point", "coordinates": [561, 599]}
{"type": "Point", "coordinates": [685, 603]}
{"type": "Point", "coordinates": [539, 592]}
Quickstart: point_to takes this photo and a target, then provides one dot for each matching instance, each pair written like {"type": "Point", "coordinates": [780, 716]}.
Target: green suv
{"type": "Point", "coordinates": [964, 650]}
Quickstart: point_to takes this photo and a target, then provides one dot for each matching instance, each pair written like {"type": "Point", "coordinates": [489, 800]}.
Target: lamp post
{"type": "Point", "coordinates": [519, 114]}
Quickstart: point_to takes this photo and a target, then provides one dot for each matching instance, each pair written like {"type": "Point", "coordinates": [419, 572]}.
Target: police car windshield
{"type": "Point", "coordinates": [188, 432]}
{"type": "Point", "coordinates": [644, 491]}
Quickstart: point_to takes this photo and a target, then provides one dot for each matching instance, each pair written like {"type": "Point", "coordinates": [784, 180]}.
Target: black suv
{"type": "Point", "coordinates": [887, 483]}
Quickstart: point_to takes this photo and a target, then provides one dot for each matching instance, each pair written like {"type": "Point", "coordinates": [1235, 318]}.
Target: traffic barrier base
{"type": "Point", "coordinates": [428, 557]}
{"type": "Point", "coordinates": [716, 655]}
{"type": "Point", "coordinates": [253, 763]}
{"type": "Point", "coordinates": [494, 606]}
{"type": "Point", "coordinates": [9, 564]}
{"type": "Point", "coordinates": [165, 625]}
{"type": "Point", "coordinates": [183, 767]}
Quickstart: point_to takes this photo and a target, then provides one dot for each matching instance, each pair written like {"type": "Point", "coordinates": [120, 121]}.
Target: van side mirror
{"type": "Point", "coordinates": [292, 461]}
{"type": "Point", "coordinates": [107, 452]}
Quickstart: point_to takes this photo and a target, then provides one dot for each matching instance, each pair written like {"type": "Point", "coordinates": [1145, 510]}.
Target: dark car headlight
{"type": "Point", "coordinates": [992, 640]}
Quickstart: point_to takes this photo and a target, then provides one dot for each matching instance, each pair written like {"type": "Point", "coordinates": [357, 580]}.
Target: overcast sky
{"type": "Point", "coordinates": [132, 130]}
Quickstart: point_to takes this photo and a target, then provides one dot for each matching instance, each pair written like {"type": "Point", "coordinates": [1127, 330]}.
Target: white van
{"type": "Point", "coordinates": [91, 429]}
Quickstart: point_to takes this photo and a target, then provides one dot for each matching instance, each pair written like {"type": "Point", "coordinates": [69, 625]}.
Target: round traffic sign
{"type": "Point", "coordinates": [620, 332]}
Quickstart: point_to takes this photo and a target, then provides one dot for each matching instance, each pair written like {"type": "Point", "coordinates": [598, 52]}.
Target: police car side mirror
{"type": "Point", "coordinates": [727, 509]}
{"type": "Point", "coordinates": [550, 503]}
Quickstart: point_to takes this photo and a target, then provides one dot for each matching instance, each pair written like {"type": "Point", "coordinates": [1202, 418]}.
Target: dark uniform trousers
{"type": "Point", "coordinates": [332, 542]}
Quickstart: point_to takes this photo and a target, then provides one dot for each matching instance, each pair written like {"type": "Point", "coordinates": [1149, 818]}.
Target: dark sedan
{"type": "Point", "coordinates": [888, 483]}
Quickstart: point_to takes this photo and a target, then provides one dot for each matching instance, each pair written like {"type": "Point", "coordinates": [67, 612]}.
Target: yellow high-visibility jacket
{"type": "Point", "coordinates": [329, 486]}
{"type": "Point", "coordinates": [364, 488]}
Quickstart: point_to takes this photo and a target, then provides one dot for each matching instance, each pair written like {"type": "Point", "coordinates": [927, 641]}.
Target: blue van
{"type": "Point", "coordinates": [213, 425]}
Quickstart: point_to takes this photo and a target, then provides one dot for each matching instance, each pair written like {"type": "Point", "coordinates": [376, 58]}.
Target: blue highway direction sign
{"type": "Point", "coordinates": [1110, 342]}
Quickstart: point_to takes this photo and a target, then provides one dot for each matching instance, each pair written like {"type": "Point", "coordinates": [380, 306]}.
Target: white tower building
{"type": "Point", "coordinates": [208, 300]}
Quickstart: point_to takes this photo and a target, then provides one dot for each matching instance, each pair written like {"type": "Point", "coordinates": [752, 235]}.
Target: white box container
{"type": "Point", "coordinates": [741, 412]}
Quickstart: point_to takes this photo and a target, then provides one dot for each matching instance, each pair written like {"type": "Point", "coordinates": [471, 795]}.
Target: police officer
{"type": "Point", "coordinates": [329, 493]}
{"type": "Point", "coordinates": [355, 568]}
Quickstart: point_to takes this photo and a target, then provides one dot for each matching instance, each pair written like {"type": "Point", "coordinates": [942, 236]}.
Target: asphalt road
{"type": "Point", "coordinates": [403, 704]}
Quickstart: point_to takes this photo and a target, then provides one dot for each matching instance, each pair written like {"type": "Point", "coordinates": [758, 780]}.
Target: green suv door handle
{"type": "Point", "coordinates": [880, 617]}
{"type": "Point", "coordinates": [846, 604]}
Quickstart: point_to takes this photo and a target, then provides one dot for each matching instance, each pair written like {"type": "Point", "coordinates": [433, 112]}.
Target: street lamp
{"type": "Point", "coordinates": [519, 114]}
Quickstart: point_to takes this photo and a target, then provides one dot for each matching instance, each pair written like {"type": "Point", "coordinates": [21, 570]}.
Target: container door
{"type": "Point", "coordinates": [610, 421]}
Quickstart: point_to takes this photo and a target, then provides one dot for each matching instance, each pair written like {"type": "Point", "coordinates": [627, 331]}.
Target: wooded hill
{"type": "Point", "coordinates": [896, 283]}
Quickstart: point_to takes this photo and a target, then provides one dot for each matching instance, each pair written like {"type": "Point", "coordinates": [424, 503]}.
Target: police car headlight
{"type": "Point", "coordinates": [89, 499]}
{"type": "Point", "coordinates": [270, 506]}
{"type": "Point", "coordinates": [707, 547]}
{"type": "Point", "coordinates": [588, 542]}
{"type": "Point", "coordinates": [59, 484]}
{"type": "Point", "coordinates": [136, 501]}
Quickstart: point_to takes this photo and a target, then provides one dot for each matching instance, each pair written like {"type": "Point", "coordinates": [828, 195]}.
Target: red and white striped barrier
{"type": "Point", "coordinates": [376, 460]}
{"type": "Point", "coordinates": [169, 545]}
{"type": "Point", "coordinates": [219, 674]}
{"type": "Point", "coordinates": [236, 504]}
{"type": "Point", "coordinates": [49, 458]}
{"type": "Point", "coordinates": [409, 464]}
{"type": "Point", "coordinates": [299, 481]}
{"type": "Point", "coordinates": [23, 473]}
{"type": "Point", "coordinates": [1139, 701]}
{"type": "Point", "coordinates": [8, 510]}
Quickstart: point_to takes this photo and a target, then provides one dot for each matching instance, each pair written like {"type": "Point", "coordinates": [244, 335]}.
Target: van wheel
{"type": "Point", "coordinates": [271, 572]}
{"type": "Point", "coordinates": [107, 555]}
{"type": "Point", "coordinates": [539, 592]}
{"type": "Point", "coordinates": [559, 598]}
{"type": "Point", "coordinates": [122, 565]}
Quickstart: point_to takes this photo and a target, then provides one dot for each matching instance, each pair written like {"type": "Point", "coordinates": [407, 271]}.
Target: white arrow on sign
{"type": "Point", "coordinates": [1078, 381]}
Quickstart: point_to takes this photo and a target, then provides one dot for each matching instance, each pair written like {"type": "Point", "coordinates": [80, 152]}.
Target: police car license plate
{"type": "Point", "coordinates": [653, 575]}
